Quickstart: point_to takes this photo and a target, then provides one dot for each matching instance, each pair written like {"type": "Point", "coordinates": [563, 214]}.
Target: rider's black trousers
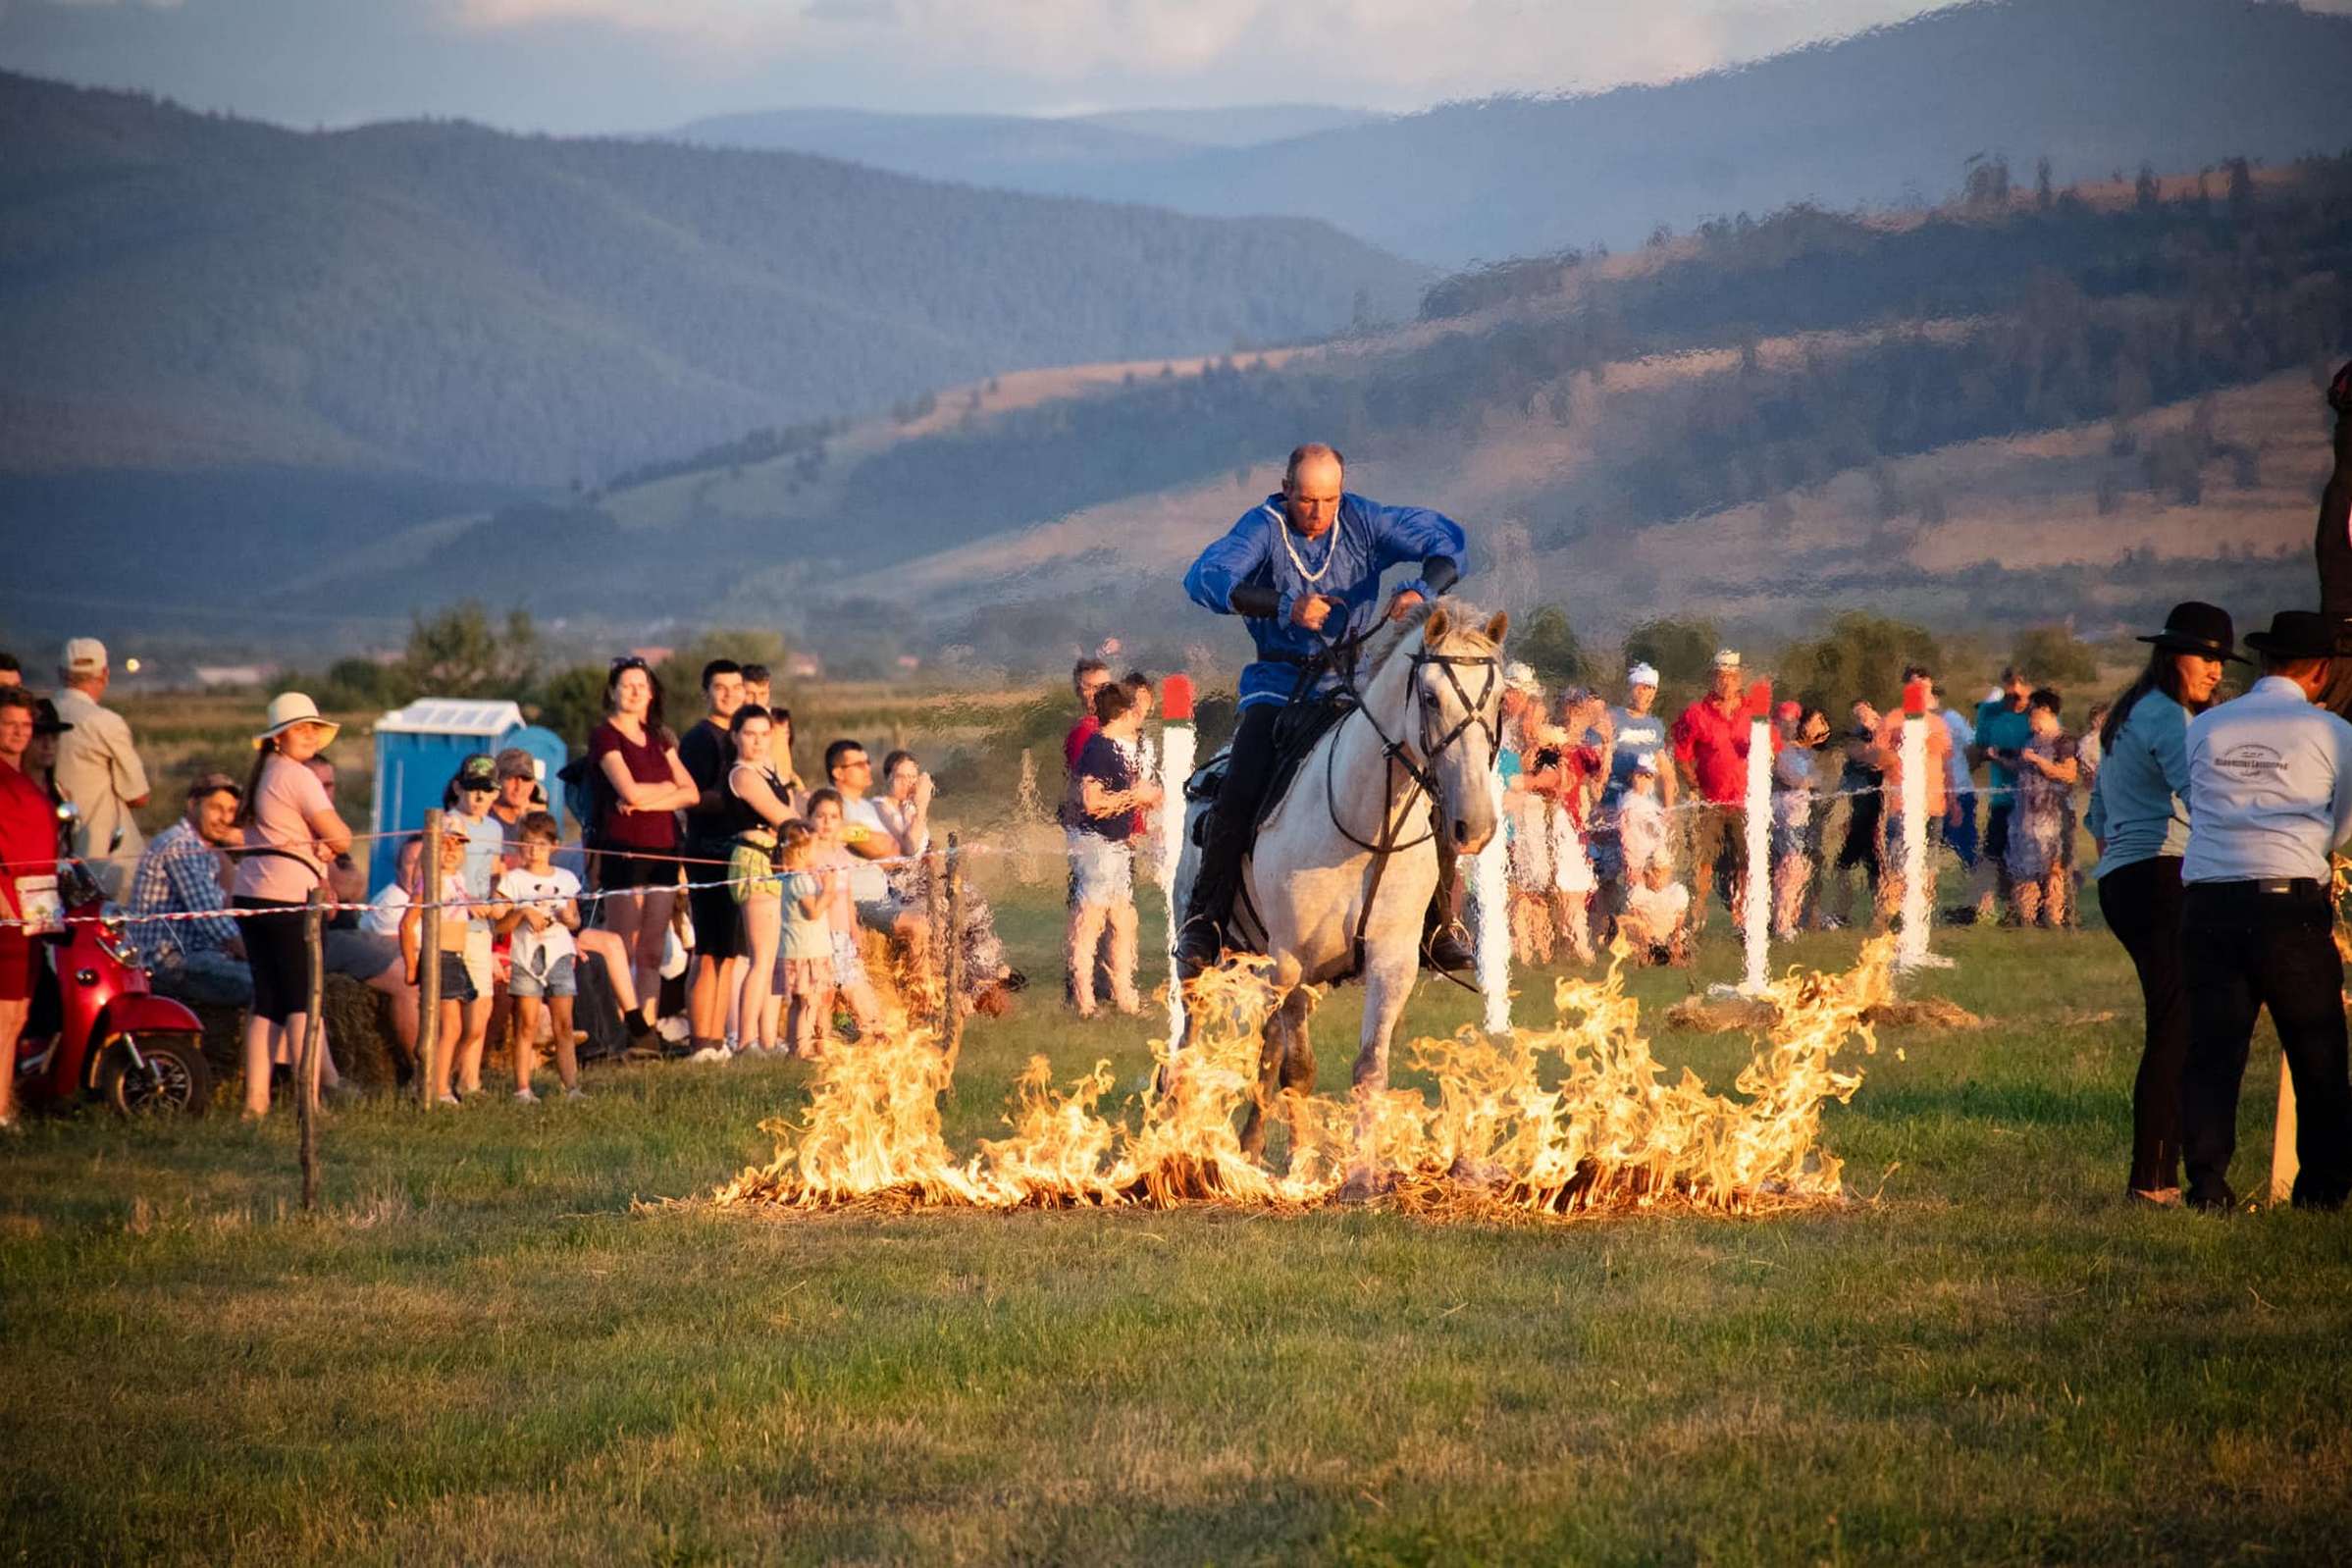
{"type": "Point", "coordinates": [1249, 769]}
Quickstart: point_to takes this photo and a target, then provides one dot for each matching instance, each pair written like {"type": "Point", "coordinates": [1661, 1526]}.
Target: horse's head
{"type": "Point", "coordinates": [1457, 707]}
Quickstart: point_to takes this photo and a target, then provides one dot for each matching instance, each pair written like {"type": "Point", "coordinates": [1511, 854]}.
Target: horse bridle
{"type": "Point", "coordinates": [1399, 755]}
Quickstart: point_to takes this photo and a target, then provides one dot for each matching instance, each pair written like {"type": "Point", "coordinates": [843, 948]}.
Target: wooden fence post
{"type": "Point", "coordinates": [427, 965]}
{"type": "Point", "coordinates": [955, 951]}
{"type": "Point", "coordinates": [934, 898]}
{"type": "Point", "coordinates": [307, 1067]}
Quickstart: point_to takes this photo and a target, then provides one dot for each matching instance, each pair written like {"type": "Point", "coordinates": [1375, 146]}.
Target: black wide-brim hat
{"type": "Point", "coordinates": [2296, 634]}
{"type": "Point", "coordinates": [2196, 627]}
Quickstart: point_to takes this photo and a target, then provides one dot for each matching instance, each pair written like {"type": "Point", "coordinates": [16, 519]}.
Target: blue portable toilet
{"type": "Point", "coordinates": [417, 752]}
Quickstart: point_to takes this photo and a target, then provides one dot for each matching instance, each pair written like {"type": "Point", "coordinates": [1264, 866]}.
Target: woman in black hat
{"type": "Point", "coordinates": [2140, 821]}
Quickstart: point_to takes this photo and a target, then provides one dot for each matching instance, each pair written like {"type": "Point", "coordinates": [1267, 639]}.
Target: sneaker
{"type": "Point", "coordinates": [447, 1099]}
{"type": "Point", "coordinates": [674, 1028]}
{"type": "Point", "coordinates": [709, 1053]}
{"type": "Point", "coordinates": [525, 1097]}
{"type": "Point", "coordinates": [575, 1092]}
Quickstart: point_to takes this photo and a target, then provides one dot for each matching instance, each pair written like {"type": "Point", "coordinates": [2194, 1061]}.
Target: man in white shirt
{"type": "Point", "coordinates": [98, 769]}
{"type": "Point", "coordinates": [851, 772]}
{"type": "Point", "coordinates": [2270, 798]}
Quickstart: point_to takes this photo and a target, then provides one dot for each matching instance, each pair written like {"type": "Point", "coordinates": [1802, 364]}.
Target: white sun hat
{"type": "Point", "coordinates": [288, 709]}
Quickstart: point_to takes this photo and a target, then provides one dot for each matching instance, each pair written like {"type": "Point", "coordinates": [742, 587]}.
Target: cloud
{"type": "Point", "coordinates": [1303, 49]}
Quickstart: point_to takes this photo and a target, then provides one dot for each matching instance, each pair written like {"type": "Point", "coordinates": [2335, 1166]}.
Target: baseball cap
{"type": "Point", "coordinates": [478, 770]}
{"type": "Point", "coordinates": [1790, 712]}
{"type": "Point", "coordinates": [1519, 677]}
{"type": "Point", "coordinates": [44, 719]}
{"type": "Point", "coordinates": [515, 763]}
{"type": "Point", "coordinates": [84, 656]}
{"type": "Point", "coordinates": [205, 784]}
{"type": "Point", "coordinates": [1641, 675]}
{"type": "Point", "coordinates": [1727, 659]}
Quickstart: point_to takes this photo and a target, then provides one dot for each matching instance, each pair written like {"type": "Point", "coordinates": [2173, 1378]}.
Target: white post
{"type": "Point", "coordinates": [1755, 922]}
{"type": "Point", "coordinates": [1490, 906]}
{"type": "Point", "coordinates": [2284, 1161]}
{"type": "Point", "coordinates": [1910, 948]}
{"type": "Point", "coordinates": [1177, 742]}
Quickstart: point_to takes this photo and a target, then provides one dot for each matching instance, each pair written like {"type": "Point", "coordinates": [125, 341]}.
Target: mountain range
{"type": "Point", "coordinates": [439, 298]}
{"type": "Point", "coordinates": [1887, 117]}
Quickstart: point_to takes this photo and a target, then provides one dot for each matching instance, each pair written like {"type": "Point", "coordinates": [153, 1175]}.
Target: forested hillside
{"type": "Point", "coordinates": [177, 289]}
{"type": "Point", "coordinates": [1886, 117]}
{"type": "Point", "coordinates": [1806, 406]}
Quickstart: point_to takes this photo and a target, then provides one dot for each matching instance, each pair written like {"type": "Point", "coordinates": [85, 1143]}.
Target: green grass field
{"type": "Point", "coordinates": [485, 1349]}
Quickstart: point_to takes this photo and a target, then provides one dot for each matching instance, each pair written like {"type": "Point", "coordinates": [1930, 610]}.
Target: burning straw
{"type": "Point", "coordinates": [1569, 1119]}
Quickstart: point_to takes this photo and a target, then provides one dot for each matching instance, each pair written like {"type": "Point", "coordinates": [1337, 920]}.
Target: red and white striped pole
{"type": "Point", "coordinates": [1177, 743]}
{"type": "Point", "coordinates": [1910, 947]}
{"type": "Point", "coordinates": [1755, 914]}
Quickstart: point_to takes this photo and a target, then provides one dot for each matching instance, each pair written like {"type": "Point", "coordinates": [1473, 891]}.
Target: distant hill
{"type": "Point", "coordinates": [1880, 119]}
{"type": "Point", "coordinates": [444, 299]}
{"type": "Point", "coordinates": [1058, 154]}
{"type": "Point", "coordinates": [1756, 422]}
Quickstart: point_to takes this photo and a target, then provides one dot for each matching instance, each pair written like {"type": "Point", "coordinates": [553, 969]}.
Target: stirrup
{"type": "Point", "coordinates": [1199, 945]}
{"type": "Point", "coordinates": [1447, 949]}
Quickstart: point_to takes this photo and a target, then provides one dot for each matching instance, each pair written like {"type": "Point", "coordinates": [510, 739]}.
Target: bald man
{"type": "Point", "coordinates": [1304, 570]}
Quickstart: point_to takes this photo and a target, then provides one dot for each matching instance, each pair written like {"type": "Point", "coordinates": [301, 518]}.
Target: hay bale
{"type": "Point", "coordinates": [1922, 1012]}
{"type": "Point", "coordinates": [1722, 1014]}
{"type": "Point", "coordinates": [1702, 1014]}
{"type": "Point", "coordinates": [359, 1030]}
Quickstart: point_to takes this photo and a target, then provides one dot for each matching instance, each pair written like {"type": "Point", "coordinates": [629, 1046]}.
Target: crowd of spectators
{"type": "Point", "coordinates": [1618, 822]}
{"type": "Point", "coordinates": [706, 853]}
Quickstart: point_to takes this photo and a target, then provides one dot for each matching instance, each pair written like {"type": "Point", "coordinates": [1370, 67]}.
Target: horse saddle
{"type": "Point", "coordinates": [1300, 725]}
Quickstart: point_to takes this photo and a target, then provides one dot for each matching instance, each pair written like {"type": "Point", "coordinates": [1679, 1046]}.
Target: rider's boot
{"type": "Point", "coordinates": [1444, 945]}
{"type": "Point", "coordinates": [1200, 939]}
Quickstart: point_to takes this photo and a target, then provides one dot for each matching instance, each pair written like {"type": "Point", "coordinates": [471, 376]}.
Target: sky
{"type": "Point", "coordinates": [574, 66]}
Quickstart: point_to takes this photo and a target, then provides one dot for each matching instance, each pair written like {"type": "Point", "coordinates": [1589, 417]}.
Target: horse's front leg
{"type": "Point", "coordinates": [1388, 986]}
{"type": "Point", "coordinates": [1272, 1054]}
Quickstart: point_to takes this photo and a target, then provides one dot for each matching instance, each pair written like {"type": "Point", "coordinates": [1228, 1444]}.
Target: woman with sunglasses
{"type": "Point", "coordinates": [643, 786]}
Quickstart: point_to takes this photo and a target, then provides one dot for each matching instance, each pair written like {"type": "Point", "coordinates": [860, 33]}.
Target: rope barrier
{"type": "Point", "coordinates": [339, 907]}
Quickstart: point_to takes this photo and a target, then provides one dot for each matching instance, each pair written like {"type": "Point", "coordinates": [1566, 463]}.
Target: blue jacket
{"type": "Point", "coordinates": [1345, 565]}
{"type": "Point", "coordinates": [2136, 809]}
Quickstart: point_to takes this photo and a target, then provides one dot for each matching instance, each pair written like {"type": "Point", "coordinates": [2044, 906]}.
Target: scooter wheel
{"type": "Point", "coordinates": [176, 1080]}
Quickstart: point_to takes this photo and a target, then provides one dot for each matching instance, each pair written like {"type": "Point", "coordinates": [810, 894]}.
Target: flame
{"type": "Point", "coordinates": [1572, 1119]}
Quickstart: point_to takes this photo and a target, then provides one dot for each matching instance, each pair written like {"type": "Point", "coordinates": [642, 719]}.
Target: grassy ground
{"type": "Point", "coordinates": [483, 1351]}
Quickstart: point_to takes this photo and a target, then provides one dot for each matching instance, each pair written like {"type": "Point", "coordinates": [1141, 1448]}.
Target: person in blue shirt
{"type": "Point", "coordinates": [2140, 823]}
{"type": "Point", "coordinates": [2270, 798]}
{"type": "Point", "coordinates": [1304, 569]}
{"type": "Point", "coordinates": [2003, 727]}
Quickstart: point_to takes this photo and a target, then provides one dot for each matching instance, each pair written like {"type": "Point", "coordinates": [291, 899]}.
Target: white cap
{"type": "Point", "coordinates": [84, 656]}
{"type": "Point", "coordinates": [1519, 677]}
{"type": "Point", "coordinates": [1727, 659]}
{"type": "Point", "coordinates": [1645, 761]}
{"type": "Point", "coordinates": [1641, 675]}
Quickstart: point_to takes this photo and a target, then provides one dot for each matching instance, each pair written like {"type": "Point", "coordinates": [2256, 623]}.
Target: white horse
{"type": "Point", "coordinates": [1344, 870]}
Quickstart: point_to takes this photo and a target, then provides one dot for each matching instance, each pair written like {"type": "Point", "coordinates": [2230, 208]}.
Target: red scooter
{"type": "Point", "coordinates": [95, 1029]}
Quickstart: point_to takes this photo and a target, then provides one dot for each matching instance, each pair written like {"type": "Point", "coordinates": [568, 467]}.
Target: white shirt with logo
{"type": "Point", "coordinates": [538, 952]}
{"type": "Point", "coordinates": [2269, 787]}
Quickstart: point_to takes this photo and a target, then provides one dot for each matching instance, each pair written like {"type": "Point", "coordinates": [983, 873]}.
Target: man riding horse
{"type": "Point", "coordinates": [1304, 569]}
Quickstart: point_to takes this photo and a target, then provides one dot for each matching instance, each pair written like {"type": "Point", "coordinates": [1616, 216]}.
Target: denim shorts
{"type": "Point", "coordinates": [456, 978]}
{"type": "Point", "coordinates": [558, 981]}
{"type": "Point", "coordinates": [1103, 869]}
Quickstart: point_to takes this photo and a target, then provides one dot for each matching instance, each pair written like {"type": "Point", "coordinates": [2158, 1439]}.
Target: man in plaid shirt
{"type": "Point", "coordinates": [180, 873]}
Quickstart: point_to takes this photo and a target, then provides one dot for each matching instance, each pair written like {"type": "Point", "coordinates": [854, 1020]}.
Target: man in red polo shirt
{"type": "Point", "coordinates": [1710, 747]}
